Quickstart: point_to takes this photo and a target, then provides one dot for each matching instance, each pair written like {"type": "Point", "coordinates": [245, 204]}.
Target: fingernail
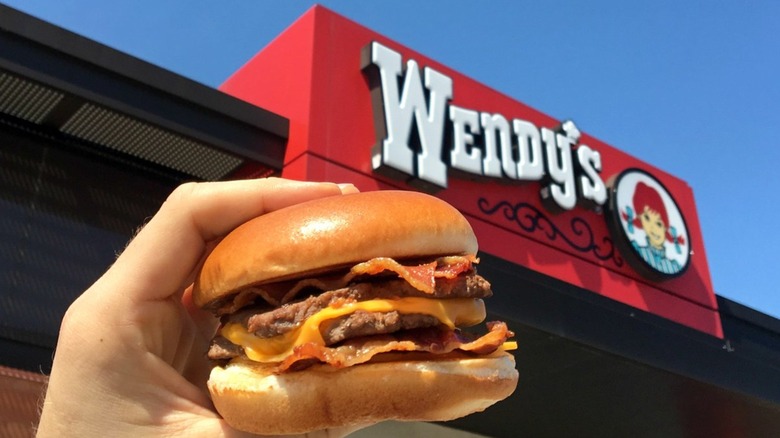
{"type": "Point", "coordinates": [348, 188]}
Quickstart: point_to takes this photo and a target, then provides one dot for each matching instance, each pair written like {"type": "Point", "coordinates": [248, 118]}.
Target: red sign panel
{"type": "Point", "coordinates": [538, 191]}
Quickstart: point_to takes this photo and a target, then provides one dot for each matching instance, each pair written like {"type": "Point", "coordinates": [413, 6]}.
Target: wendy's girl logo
{"type": "Point", "coordinates": [647, 225]}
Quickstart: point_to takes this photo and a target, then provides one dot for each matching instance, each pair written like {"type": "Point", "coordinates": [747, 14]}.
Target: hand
{"type": "Point", "coordinates": [130, 359]}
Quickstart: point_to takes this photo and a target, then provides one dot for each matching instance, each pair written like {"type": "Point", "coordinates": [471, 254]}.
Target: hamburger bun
{"type": "Point", "coordinates": [252, 399]}
{"type": "Point", "coordinates": [331, 232]}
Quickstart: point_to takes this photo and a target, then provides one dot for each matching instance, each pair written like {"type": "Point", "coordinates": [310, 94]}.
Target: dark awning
{"type": "Point", "coordinates": [591, 366]}
{"type": "Point", "coordinates": [71, 86]}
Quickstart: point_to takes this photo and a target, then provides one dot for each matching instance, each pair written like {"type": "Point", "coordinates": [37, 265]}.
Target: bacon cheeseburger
{"type": "Point", "coordinates": [348, 310]}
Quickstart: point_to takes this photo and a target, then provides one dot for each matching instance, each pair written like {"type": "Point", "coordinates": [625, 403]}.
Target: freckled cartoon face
{"type": "Point", "coordinates": [654, 226]}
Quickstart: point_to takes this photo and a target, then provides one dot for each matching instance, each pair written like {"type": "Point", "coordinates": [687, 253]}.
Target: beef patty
{"type": "Point", "coordinates": [265, 323]}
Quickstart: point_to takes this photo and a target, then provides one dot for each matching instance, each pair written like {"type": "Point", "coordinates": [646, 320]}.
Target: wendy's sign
{"type": "Point", "coordinates": [423, 135]}
{"type": "Point", "coordinates": [539, 192]}
{"type": "Point", "coordinates": [479, 142]}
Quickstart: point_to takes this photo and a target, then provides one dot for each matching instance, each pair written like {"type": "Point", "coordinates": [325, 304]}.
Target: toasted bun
{"type": "Point", "coordinates": [330, 232]}
{"type": "Point", "coordinates": [321, 397]}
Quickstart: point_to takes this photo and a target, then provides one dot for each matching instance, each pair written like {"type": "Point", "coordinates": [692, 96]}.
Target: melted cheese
{"type": "Point", "coordinates": [453, 313]}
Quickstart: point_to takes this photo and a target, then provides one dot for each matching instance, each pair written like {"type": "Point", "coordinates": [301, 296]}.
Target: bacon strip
{"type": "Point", "coordinates": [361, 350]}
{"type": "Point", "coordinates": [421, 277]}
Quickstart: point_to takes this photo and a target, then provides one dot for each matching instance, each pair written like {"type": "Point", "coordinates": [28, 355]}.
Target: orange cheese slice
{"type": "Point", "coordinates": [456, 312]}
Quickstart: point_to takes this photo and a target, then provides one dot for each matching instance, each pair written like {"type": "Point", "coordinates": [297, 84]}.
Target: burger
{"type": "Point", "coordinates": [351, 310]}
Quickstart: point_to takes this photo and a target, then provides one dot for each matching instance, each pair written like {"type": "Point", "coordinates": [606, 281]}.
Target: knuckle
{"type": "Point", "coordinates": [183, 193]}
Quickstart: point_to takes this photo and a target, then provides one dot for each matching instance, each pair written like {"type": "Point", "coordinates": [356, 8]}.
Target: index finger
{"type": "Point", "coordinates": [158, 261]}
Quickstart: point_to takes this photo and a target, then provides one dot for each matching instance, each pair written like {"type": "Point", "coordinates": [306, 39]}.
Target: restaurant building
{"type": "Point", "coordinates": [597, 259]}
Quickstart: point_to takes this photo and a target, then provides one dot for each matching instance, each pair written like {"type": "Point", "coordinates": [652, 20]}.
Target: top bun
{"type": "Point", "coordinates": [332, 232]}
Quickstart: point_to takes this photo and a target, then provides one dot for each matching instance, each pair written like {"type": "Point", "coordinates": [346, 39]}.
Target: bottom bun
{"type": "Point", "coordinates": [250, 398]}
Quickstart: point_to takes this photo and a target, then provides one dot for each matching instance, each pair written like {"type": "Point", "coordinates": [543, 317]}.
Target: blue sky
{"type": "Point", "coordinates": [692, 87]}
